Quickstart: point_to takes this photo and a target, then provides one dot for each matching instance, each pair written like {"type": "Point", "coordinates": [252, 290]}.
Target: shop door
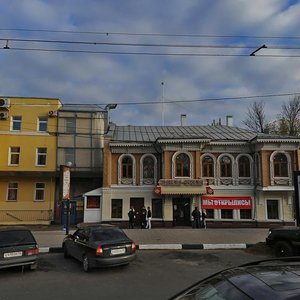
{"type": "Point", "coordinates": [137, 204]}
{"type": "Point", "coordinates": [182, 211]}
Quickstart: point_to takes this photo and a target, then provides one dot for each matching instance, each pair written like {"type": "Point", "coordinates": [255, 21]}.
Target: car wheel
{"type": "Point", "coordinates": [283, 249]}
{"type": "Point", "coordinates": [66, 252]}
{"type": "Point", "coordinates": [85, 264]}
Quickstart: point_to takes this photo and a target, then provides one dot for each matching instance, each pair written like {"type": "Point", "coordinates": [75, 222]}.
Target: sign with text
{"type": "Point", "coordinates": [210, 202]}
{"type": "Point", "coordinates": [66, 180]}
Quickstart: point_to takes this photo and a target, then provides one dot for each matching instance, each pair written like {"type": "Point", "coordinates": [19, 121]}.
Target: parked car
{"type": "Point", "coordinates": [275, 279]}
{"type": "Point", "coordinates": [285, 240]}
{"type": "Point", "coordinates": [18, 247]}
{"type": "Point", "coordinates": [99, 246]}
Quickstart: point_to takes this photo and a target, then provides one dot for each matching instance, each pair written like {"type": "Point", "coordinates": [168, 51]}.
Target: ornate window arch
{"type": "Point", "coordinates": [148, 169]}
{"type": "Point", "coordinates": [244, 169]}
{"type": "Point", "coordinates": [182, 164]}
{"type": "Point", "coordinates": [208, 167]}
{"type": "Point", "coordinates": [225, 169]}
{"type": "Point", "coordinates": [280, 168]}
{"type": "Point", "coordinates": [126, 169]}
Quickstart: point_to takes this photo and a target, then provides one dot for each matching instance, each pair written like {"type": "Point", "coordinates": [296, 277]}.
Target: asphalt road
{"type": "Point", "coordinates": [154, 275]}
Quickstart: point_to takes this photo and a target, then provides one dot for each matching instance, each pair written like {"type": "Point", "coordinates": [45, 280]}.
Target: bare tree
{"type": "Point", "coordinates": [256, 118]}
{"type": "Point", "coordinates": [290, 116]}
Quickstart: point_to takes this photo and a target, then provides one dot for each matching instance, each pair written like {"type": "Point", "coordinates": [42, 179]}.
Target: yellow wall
{"type": "Point", "coordinates": [26, 210]}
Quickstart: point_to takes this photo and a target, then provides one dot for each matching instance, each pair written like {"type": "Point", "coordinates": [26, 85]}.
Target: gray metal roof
{"type": "Point", "coordinates": [82, 107]}
{"type": "Point", "coordinates": [152, 133]}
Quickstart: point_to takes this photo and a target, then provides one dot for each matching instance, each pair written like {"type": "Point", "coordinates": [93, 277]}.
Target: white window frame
{"type": "Point", "coordinates": [16, 120]}
{"type": "Point", "coordinates": [14, 153]}
{"type": "Point", "coordinates": [42, 121]}
{"type": "Point", "coordinates": [38, 155]}
{"type": "Point", "coordinates": [12, 188]}
{"type": "Point", "coordinates": [39, 189]}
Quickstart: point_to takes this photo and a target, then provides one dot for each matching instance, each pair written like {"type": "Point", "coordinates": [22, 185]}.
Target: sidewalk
{"type": "Point", "coordinates": [171, 238]}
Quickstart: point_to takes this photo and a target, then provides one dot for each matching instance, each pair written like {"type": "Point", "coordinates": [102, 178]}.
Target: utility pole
{"type": "Point", "coordinates": [162, 104]}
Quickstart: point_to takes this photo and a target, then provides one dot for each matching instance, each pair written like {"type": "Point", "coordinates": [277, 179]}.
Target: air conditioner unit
{"type": "Point", "coordinates": [4, 103]}
{"type": "Point", "coordinates": [3, 115]}
{"type": "Point", "coordinates": [52, 113]}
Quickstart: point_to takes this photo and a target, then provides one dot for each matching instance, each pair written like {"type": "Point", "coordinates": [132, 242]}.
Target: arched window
{"type": "Point", "coordinates": [207, 166]}
{"type": "Point", "coordinates": [127, 167]}
{"type": "Point", "coordinates": [244, 166]}
{"type": "Point", "coordinates": [182, 165]}
{"type": "Point", "coordinates": [226, 166]}
{"type": "Point", "coordinates": [280, 165]}
{"type": "Point", "coordinates": [148, 167]}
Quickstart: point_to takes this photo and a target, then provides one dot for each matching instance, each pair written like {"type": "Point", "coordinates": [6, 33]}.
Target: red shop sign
{"type": "Point", "coordinates": [210, 202]}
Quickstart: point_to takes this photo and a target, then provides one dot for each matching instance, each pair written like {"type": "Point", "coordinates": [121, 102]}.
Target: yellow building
{"type": "Point", "coordinates": [28, 129]}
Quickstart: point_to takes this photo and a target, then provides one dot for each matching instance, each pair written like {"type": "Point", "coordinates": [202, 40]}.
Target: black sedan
{"type": "Point", "coordinates": [99, 246]}
{"type": "Point", "coordinates": [276, 279]}
{"type": "Point", "coordinates": [18, 247]}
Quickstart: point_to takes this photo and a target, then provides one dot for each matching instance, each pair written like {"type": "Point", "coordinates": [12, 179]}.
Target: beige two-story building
{"type": "Point", "coordinates": [240, 178]}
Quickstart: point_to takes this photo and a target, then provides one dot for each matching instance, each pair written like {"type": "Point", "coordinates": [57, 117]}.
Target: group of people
{"type": "Point", "coordinates": [143, 217]}
{"type": "Point", "coordinates": [198, 218]}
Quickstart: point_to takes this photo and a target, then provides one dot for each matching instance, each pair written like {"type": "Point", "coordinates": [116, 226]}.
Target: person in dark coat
{"type": "Point", "coordinates": [203, 217]}
{"type": "Point", "coordinates": [196, 216]}
{"type": "Point", "coordinates": [131, 216]}
{"type": "Point", "coordinates": [143, 216]}
{"type": "Point", "coordinates": [148, 218]}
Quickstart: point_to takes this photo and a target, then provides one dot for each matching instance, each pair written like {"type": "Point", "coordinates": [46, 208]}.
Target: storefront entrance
{"type": "Point", "coordinates": [182, 211]}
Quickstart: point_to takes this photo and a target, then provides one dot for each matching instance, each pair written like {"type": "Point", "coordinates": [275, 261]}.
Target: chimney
{"type": "Point", "coordinates": [183, 119]}
{"type": "Point", "coordinates": [229, 121]}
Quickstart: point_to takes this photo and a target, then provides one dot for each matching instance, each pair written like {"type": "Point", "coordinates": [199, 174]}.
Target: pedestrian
{"type": "Point", "coordinates": [131, 216]}
{"type": "Point", "coordinates": [203, 217]}
{"type": "Point", "coordinates": [196, 218]}
{"type": "Point", "coordinates": [148, 218]}
{"type": "Point", "coordinates": [143, 216]}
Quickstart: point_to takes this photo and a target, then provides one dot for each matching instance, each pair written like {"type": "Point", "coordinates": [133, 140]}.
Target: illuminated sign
{"type": "Point", "coordinates": [243, 202]}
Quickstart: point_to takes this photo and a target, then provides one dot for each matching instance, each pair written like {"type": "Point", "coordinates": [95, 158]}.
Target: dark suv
{"type": "Point", "coordinates": [18, 247]}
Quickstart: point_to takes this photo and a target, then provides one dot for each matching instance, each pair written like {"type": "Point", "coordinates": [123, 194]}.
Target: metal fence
{"type": "Point", "coordinates": [26, 216]}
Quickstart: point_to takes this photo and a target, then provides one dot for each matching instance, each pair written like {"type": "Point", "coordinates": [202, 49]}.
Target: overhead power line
{"type": "Point", "coordinates": [107, 33]}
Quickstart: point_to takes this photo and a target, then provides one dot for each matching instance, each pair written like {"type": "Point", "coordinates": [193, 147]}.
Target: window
{"type": "Point", "coordinates": [148, 167]}
{"type": "Point", "coordinates": [244, 167]}
{"type": "Point", "coordinates": [280, 165]}
{"type": "Point", "coordinates": [70, 125]}
{"type": "Point", "coordinates": [157, 208]}
{"type": "Point", "coordinates": [12, 191]}
{"type": "Point", "coordinates": [127, 167]}
{"type": "Point", "coordinates": [41, 156]}
{"type": "Point", "coordinates": [14, 155]}
{"type": "Point", "coordinates": [225, 164]}
{"type": "Point", "coordinates": [207, 167]}
{"type": "Point", "coordinates": [227, 213]}
{"type": "Point", "coordinates": [182, 165]}
{"type": "Point", "coordinates": [92, 202]}
{"type": "Point", "coordinates": [16, 123]}
{"type": "Point", "coordinates": [69, 156]}
{"type": "Point", "coordinates": [116, 208]}
{"type": "Point", "coordinates": [43, 124]}
{"type": "Point", "coordinates": [272, 210]}
{"type": "Point", "coordinates": [210, 213]}
{"type": "Point", "coordinates": [39, 191]}
{"type": "Point", "coordinates": [245, 214]}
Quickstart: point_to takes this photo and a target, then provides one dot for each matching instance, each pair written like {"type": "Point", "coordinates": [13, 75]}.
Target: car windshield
{"type": "Point", "coordinates": [104, 235]}
{"type": "Point", "coordinates": [16, 237]}
{"type": "Point", "coordinates": [217, 288]}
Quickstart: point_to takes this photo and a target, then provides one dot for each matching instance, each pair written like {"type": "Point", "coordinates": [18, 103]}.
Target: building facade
{"type": "Point", "coordinates": [27, 160]}
{"type": "Point", "coordinates": [238, 177]}
{"type": "Point", "coordinates": [80, 140]}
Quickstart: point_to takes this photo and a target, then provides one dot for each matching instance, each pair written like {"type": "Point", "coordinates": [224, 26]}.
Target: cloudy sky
{"type": "Point", "coordinates": [117, 51]}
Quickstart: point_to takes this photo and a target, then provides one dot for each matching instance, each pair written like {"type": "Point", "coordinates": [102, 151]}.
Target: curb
{"type": "Point", "coordinates": [169, 247]}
